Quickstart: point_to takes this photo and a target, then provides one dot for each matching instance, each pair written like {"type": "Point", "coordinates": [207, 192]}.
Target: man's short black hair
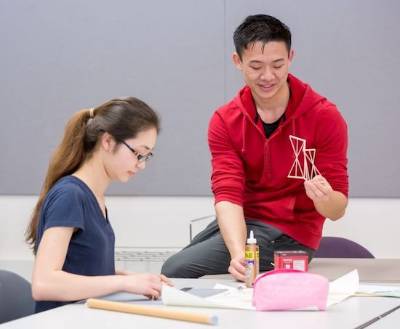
{"type": "Point", "coordinates": [263, 28]}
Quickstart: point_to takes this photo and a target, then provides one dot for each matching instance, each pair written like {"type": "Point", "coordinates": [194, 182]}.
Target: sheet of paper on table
{"type": "Point", "coordinates": [241, 298]}
{"type": "Point", "coordinates": [370, 290]}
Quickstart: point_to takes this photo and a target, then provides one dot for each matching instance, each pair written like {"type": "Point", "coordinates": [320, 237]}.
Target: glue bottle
{"type": "Point", "coordinates": [252, 259]}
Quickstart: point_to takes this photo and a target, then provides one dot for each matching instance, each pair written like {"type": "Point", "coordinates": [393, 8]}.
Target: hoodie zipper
{"type": "Point", "coordinates": [267, 153]}
{"type": "Point", "coordinates": [267, 157]}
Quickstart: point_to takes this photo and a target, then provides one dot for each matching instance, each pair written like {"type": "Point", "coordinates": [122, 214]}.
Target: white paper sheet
{"type": "Point", "coordinates": [241, 298]}
{"type": "Point", "coordinates": [231, 298]}
{"type": "Point", "coordinates": [370, 290]}
{"type": "Point", "coordinates": [343, 287]}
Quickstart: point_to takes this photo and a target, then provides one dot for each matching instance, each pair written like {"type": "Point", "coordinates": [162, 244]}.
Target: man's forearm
{"type": "Point", "coordinates": [232, 226]}
{"type": "Point", "coordinates": [333, 207]}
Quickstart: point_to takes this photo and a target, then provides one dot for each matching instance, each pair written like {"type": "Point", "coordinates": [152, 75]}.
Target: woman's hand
{"type": "Point", "coordinates": [145, 284]}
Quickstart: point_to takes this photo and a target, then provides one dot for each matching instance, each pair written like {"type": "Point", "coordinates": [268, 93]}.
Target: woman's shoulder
{"type": "Point", "coordinates": [67, 188]}
{"type": "Point", "coordinates": [64, 204]}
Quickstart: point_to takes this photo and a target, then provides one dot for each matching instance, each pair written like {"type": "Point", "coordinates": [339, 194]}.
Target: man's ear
{"type": "Point", "coordinates": [291, 55]}
{"type": "Point", "coordinates": [237, 61]}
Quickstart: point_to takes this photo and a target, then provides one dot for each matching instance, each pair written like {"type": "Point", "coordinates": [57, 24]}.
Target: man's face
{"type": "Point", "coordinates": [265, 68]}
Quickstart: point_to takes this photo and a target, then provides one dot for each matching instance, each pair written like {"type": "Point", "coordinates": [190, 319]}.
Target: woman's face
{"type": "Point", "coordinates": [129, 156]}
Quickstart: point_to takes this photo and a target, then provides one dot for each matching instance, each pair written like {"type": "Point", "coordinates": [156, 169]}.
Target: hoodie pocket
{"type": "Point", "coordinates": [281, 209]}
{"type": "Point", "coordinates": [253, 167]}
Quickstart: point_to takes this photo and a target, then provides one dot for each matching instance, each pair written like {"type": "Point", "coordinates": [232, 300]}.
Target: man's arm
{"type": "Point", "coordinates": [329, 189]}
{"type": "Point", "coordinates": [228, 185]}
{"type": "Point", "coordinates": [233, 230]}
{"type": "Point", "coordinates": [329, 203]}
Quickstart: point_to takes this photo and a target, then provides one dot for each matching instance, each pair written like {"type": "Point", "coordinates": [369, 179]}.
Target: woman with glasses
{"type": "Point", "coordinates": [70, 232]}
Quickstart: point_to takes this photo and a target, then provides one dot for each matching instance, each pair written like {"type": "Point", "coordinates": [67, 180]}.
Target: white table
{"type": "Point", "coordinates": [348, 314]}
{"type": "Point", "coordinates": [392, 320]}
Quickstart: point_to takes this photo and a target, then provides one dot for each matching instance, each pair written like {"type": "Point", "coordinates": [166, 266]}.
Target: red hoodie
{"type": "Point", "coordinates": [250, 170]}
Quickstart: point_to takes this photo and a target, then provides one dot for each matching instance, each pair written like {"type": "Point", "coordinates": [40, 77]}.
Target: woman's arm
{"type": "Point", "coordinates": [50, 282]}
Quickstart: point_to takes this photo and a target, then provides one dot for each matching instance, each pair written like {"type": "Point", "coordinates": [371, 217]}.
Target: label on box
{"type": "Point", "coordinates": [291, 260]}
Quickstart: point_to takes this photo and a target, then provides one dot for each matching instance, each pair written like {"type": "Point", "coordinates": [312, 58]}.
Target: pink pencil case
{"type": "Point", "coordinates": [283, 290]}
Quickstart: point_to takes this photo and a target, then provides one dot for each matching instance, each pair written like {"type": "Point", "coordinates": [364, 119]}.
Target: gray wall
{"type": "Point", "coordinates": [59, 56]}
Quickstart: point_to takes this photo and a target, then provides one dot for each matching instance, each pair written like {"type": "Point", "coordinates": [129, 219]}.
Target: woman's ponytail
{"type": "Point", "coordinates": [66, 159]}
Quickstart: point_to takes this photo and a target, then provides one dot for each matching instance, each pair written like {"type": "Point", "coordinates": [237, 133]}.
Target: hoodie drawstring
{"type": "Point", "coordinates": [244, 135]}
{"type": "Point", "coordinates": [293, 127]}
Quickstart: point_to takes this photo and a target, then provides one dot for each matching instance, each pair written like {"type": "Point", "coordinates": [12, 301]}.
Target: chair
{"type": "Point", "coordinates": [205, 220]}
{"type": "Point", "coordinates": [336, 247]}
{"type": "Point", "coordinates": [15, 297]}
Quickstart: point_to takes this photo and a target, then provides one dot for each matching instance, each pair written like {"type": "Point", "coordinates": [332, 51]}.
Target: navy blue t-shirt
{"type": "Point", "coordinates": [70, 203]}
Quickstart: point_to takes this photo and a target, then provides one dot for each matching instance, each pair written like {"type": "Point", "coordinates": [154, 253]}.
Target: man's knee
{"type": "Point", "coordinates": [177, 267]}
{"type": "Point", "coordinates": [169, 268]}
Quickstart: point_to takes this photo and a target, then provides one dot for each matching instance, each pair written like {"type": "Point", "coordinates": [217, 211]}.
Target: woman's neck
{"type": "Point", "coordinates": [93, 173]}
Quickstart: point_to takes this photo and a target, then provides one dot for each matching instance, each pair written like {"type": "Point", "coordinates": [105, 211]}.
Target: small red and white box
{"type": "Point", "coordinates": [291, 259]}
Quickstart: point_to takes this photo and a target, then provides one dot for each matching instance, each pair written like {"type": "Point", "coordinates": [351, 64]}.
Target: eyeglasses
{"type": "Point", "coordinates": [140, 157]}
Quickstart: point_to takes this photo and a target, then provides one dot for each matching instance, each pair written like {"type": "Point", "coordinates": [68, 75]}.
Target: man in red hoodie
{"type": "Point", "coordinates": [252, 156]}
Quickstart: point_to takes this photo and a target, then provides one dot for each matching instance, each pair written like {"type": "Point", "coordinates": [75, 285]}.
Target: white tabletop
{"type": "Point", "coordinates": [349, 314]}
{"type": "Point", "coordinates": [391, 320]}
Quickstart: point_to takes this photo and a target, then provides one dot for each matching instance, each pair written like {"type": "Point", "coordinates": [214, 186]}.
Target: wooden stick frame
{"type": "Point", "coordinates": [308, 170]}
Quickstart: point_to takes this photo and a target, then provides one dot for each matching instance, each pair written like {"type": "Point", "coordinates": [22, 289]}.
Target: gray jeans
{"type": "Point", "coordinates": [207, 253]}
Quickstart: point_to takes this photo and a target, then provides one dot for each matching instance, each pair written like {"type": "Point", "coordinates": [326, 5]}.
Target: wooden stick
{"type": "Point", "coordinates": [151, 311]}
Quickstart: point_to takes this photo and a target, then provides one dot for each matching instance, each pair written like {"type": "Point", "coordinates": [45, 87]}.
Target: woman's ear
{"type": "Point", "coordinates": [107, 142]}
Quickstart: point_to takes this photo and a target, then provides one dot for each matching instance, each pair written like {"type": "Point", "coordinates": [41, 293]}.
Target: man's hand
{"type": "Point", "coordinates": [237, 268]}
{"type": "Point", "coordinates": [318, 189]}
{"type": "Point", "coordinates": [328, 202]}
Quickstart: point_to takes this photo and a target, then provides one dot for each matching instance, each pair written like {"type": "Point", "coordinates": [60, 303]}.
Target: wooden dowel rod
{"type": "Point", "coordinates": [151, 311]}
